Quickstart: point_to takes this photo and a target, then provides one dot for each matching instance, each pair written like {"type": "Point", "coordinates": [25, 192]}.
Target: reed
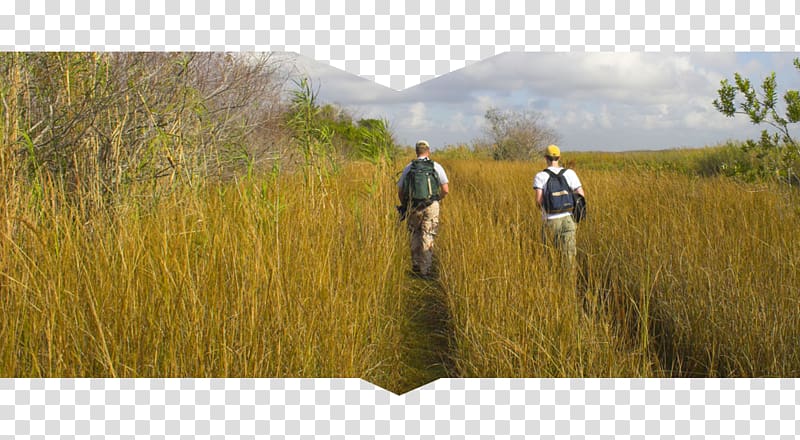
{"type": "Point", "coordinates": [516, 314]}
{"type": "Point", "coordinates": [253, 278]}
{"type": "Point", "coordinates": [678, 276]}
{"type": "Point", "coordinates": [718, 260]}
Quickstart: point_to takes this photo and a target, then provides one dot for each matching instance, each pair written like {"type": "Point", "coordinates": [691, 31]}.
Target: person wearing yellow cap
{"type": "Point", "coordinates": [555, 188]}
{"type": "Point", "coordinates": [422, 185]}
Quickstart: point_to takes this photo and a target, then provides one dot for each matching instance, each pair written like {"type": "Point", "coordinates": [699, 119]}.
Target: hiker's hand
{"type": "Point", "coordinates": [401, 210]}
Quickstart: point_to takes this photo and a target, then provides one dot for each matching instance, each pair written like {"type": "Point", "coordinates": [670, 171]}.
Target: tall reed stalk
{"type": "Point", "coordinates": [251, 278]}
{"type": "Point", "coordinates": [258, 277]}
{"type": "Point", "coordinates": [679, 276]}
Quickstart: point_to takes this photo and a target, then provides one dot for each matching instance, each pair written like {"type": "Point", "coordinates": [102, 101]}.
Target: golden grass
{"type": "Point", "coordinates": [680, 275]}
{"type": "Point", "coordinates": [716, 261]}
{"type": "Point", "coordinates": [248, 279]}
{"type": "Point", "coordinates": [515, 316]}
{"type": "Point", "coordinates": [258, 278]}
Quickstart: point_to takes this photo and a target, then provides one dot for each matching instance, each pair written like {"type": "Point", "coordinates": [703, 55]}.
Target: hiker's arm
{"type": "Point", "coordinates": [538, 197]}
{"type": "Point", "coordinates": [580, 191]}
{"type": "Point", "coordinates": [401, 185]}
{"type": "Point", "coordinates": [445, 191]}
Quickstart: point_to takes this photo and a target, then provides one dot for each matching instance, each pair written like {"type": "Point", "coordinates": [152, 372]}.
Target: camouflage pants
{"type": "Point", "coordinates": [423, 225]}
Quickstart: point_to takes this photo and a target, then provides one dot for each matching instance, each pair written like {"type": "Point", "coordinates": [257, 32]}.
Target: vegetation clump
{"type": "Point", "coordinates": [776, 155]}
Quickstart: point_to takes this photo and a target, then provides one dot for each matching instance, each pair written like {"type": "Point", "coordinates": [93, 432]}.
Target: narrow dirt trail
{"type": "Point", "coordinates": [428, 338]}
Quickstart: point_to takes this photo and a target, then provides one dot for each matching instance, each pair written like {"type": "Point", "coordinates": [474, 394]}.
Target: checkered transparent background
{"type": "Point", "coordinates": [399, 44]}
{"type": "Point", "coordinates": [459, 408]}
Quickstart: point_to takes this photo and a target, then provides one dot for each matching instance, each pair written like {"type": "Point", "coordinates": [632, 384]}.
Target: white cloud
{"type": "Point", "coordinates": [602, 100]}
{"type": "Point", "coordinates": [604, 118]}
{"type": "Point", "coordinates": [416, 118]}
{"type": "Point", "coordinates": [617, 75]}
{"type": "Point", "coordinates": [481, 103]}
{"type": "Point", "coordinates": [571, 117]}
{"type": "Point", "coordinates": [457, 123]}
{"type": "Point", "coordinates": [478, 121]}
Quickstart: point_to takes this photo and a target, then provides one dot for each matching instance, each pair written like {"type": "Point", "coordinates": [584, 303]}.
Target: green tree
{"type": "Point", "coordinates": [777, 152]}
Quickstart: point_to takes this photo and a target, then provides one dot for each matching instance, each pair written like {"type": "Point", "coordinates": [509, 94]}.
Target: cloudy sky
{"type": "Point", "coordinates": [596, 101]}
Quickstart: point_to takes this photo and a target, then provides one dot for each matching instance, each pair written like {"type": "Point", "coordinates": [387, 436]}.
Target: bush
{"type": "Point", "coordinates": [518, 135]}
{"type": "Point", "coordinates": [777, 154]}
{"type": "Point", "coordinates": [725, 160]}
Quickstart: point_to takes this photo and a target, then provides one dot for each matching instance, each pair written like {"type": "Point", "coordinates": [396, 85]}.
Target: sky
{"type": "Point", "coordinates": [593, 101]}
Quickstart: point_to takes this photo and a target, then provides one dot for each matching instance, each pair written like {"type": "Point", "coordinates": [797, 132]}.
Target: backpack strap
{"type": "Point", "coordinates": [552, 174]}
{"type": "Point", "coordinates": [560, 175]}
{"type": "Point", "coordinates": [569, 188]}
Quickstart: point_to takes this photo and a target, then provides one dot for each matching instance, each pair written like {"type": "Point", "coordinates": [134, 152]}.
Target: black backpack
{"type": "Point", "coordinates": [421, 185]}
{"type": "Point", "coordinates": [580, 208]}
{"type": "Point", "coordinates": [558, 196]}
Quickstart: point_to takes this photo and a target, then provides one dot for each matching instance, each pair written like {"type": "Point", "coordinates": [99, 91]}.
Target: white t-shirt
{"type": "Point", "coordinates": [541, 178]}
{"type": "Point", "coordinates": [436, 167]}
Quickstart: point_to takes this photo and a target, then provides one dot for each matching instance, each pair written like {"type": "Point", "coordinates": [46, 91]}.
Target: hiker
{"type": "Point", "coordinates": [555, 198]}
{"type": "Point", "coordinates": [422, 185]}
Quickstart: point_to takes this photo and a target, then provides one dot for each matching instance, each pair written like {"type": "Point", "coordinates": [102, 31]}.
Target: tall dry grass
{"type": "Point", "coordinates": [254, 278]}
{"type": "Point", "coordinates": [514, 313]}
{"type": "Point", "coordinates": [708, 268]}
{"type": "Point", "coordinates": [678, 276]}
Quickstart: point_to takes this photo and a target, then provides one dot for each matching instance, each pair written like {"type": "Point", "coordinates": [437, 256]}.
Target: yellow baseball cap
{"type": "Point", "coordinates": [552, 151]}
